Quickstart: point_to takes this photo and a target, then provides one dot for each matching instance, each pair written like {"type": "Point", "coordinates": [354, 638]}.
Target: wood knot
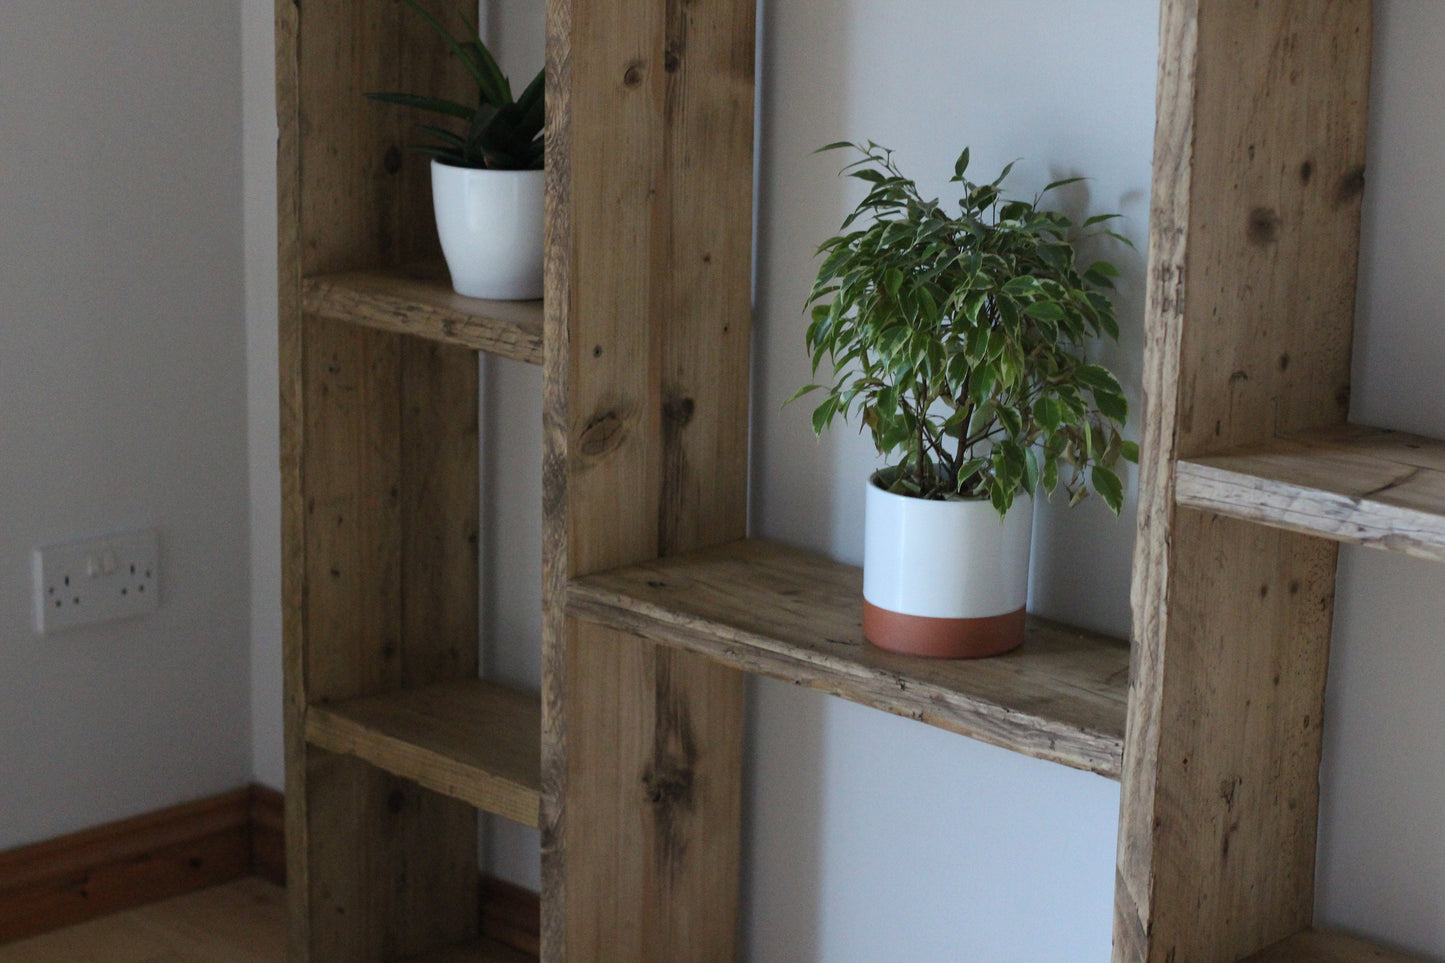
{"type": "Point", "coordinates": [396, 802]}
{"type": "Point", "coordinates": [633, 75]}
{"type": "Point", "coordinates": [669, 786]}
{"type": "Point", "coordinates": [672, 59]}
{"type": "Point", "coordinates": [1351, 185]}
{"type": "Point", "coordinates": [1263, 226]}
{"type": "Point", "coordinates": [391, 162]}
{"type": "Point", "coordinates": [678, 411]}
{"type": "Point", "coordinates": [1306, 172]}
{"type": "Point", "coordinates": [602, 434]}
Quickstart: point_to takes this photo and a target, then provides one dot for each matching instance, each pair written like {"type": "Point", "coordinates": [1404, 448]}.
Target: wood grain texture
{"type": "Point", "coordinates": [1368, 486]}
{"type": "Point", "coordinates": [1315, 946]}
{"type": "Point", "coordinates": [123, 864]}
{"type": "Point", "coordinates": [440, 506]}
{"type": "Point", "coordinates": [422, 303]}
{"type": "Point", "coordinates": [794, 616]}
{"type": "Point", "coordinates": [1259, 160]}
{"type": "Point", "coordinates": [649, 157]}
{"type": "Point", "coordinates": [467, 739]}
{"type": "Point", "coordinates": [655, 756]}
{"type": "Point", "coordinates": [391, 872]}
{"type": "Point", "coordinates": [364, 200]}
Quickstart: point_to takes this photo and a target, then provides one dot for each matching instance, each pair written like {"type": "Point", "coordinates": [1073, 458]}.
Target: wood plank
{"type": "Point", "coordinates": [393, 869]}
{"type": "Point", "coordinates": [656, 757]}
{"type": "Point", "coordinates": [1367, 486]}
{"type": "Point", "coordinates": [795, 616]}
{"type": "Point", "coordinates": [421, 302]}
{"type": "Point", "coordinates": [1259, 161]}
{"type": "Point", "coordinates": [471, 740]}
{"type": "Point", "coordinates": [291, 391]}
{"type": "Point", "coordinates": [440, 512]}
{"type": "Point", "coordinates": [364, 200]}
{"type": "Point", "coordinates": [1316, 946]}
{"type": "Point", "coordinates": [649, 178]}
{"type": "Point", "coordinates": [123, 864]}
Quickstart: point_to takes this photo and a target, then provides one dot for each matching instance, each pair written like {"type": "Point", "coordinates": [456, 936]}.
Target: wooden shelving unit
{"type": "Point", "coordinates": [656, 606]}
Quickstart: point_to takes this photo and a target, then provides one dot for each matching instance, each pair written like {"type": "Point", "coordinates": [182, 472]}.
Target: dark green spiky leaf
{"type": "Point", "coordinates": [434, 104]}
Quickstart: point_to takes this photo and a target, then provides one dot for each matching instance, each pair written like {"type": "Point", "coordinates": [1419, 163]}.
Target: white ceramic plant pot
{"type": "Point", "coordinates": [490, 225]}
{"type": "Point", "coordinates": [944, 579]}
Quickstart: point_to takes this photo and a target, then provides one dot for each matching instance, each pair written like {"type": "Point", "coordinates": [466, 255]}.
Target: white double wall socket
{"type": "Point", "coordinates": [96, 580]}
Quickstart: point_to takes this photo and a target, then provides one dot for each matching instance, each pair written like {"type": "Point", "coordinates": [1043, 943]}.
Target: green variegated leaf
{"type": "Point", "coordinates": [1107, 484]}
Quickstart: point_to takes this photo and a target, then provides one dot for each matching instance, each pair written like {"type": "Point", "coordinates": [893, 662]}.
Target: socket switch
{"type": "Point", "coordinates": [96, 580]}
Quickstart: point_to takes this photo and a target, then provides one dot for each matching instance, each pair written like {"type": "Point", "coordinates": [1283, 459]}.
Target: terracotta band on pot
{"type": "Point", "coordinates": [937, 638]}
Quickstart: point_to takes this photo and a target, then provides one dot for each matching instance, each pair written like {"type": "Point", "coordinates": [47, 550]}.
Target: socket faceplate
{"type": "Point", "coordinates": [96, 580]}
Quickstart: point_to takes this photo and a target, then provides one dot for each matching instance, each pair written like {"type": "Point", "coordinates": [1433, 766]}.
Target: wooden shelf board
{"type": "Point", "coordinates": [1370, 486]}
{"type": "Point", "coordinates": [762, 608]}
{"type": "Point", "coordinates": [481, 950]}
{"type": "Point", "coordinates": [420, 301]}
{"type": "Point", "coordinates": [1317, 946]}
{"type": "Point", "coordinates": [469, 739]}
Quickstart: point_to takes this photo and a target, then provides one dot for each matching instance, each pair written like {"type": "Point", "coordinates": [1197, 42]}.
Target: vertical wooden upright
{"type": "Point", "coordinates": [649, 157]}
{"type": "Point", "coordinates": [380, 492]}
{"type": "Point", "coordinates": [1259, 171]}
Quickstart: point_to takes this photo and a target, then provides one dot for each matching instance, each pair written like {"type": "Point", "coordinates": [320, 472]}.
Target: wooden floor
{"type": "Point", "coordinates": [240, 922]}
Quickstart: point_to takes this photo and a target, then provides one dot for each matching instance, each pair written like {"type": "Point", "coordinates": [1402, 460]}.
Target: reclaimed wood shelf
{"type": "Point", "coordinates": [1253, 256]}
{"type": "Point", "coordinates": [1316, 946]}
{"type": "Point", "coordinates": [420, 301]}
{"type": "Point", "coordinates": [469, 739]}
{"type": "Point", "coordinates": [1368, 486]}
{"type": "Point", "coordinates": [763, 608]}
{"type": "Point", "coordinates": [480, 950]}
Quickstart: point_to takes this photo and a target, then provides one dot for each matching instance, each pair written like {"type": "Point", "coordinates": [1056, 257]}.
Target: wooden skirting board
{"type": "Point", "coordinates": [181, 849]}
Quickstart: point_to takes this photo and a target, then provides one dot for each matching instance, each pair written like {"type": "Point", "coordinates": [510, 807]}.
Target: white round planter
{"type": "Point", "coordinates": [944, 579]}
{"type": "Point", "coordinates": [490, 225]}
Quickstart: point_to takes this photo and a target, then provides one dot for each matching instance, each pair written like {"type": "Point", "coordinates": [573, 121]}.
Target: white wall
{"type": "Point", "coordinates": [870, 837]}
{"type": "Point", "coordinates": [122, 401]}
{"type": "Point", "coordinates": [263, 406]}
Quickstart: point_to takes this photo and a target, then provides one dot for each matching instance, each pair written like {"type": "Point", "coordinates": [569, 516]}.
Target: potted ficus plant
{"type": "Point", "coordinates": [960, 341]}
{"type": "Point", "coordinates": [487, 180]}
